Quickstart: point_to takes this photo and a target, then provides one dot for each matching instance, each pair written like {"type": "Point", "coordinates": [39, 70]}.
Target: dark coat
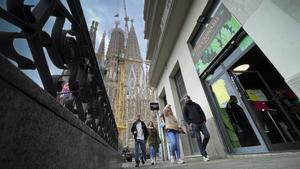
{"type": "Point", "coordinates": [193, 113]}
{"type": "Point", "coordinates": [237, 116]}
{"type": "Point", "coordinates": [153, 139]}
{"type": "Point", "coordinates": [134, 130]}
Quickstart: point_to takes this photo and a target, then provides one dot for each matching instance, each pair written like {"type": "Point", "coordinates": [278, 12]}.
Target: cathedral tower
{"type": "Point", "coordinates": [93, 32]}
{"type": "Point", "coordinates": [137, 95]}
{"type": "Point", "coordinates": [114, 52]}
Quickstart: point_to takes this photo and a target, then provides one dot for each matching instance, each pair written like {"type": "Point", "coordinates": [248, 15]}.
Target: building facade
{"type": "Point", "coordinates": [215, 50]}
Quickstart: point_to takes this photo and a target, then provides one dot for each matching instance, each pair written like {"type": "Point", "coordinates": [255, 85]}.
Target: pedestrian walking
{"type": "Point", "coordinates": [153, 141]}
{"type": "Point", "coordinates": [195, 118]}
{"type": "Point", "coordinates": [140, 133]}
{"type": "Point", "coordinates": [173, 128]}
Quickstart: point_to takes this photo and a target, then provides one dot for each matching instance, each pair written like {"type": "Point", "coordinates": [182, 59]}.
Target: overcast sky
{"type": "Point", "coordinates": [102, 11]}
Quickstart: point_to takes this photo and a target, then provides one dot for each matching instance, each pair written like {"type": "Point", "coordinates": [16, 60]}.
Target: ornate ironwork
{"type": "Point", "coordinates": [69, 50]}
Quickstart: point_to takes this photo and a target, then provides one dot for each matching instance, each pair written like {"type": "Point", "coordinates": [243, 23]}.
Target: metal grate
{"type": "Point", "coordinates": [70, 50]}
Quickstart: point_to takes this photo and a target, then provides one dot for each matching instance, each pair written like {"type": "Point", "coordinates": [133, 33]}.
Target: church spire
{"type": "Point", "coordinates": [93, 32]}
{"type": "Point", "coordinates": [132, 44]}
{"type": "Point", "coordinates": [101, 49]}
{"type": "Point", "coordinates": [116, 43]}
{"type": "Point", "coordinates": [114, 52]}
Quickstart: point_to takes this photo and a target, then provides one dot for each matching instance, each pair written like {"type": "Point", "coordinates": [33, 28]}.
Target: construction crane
{"type": "Point", "coordinates": [120, 95]}
{"type": "Point", "coordinates": [126, 18]}
{"type": "Point", "coordinates": [120, 106]}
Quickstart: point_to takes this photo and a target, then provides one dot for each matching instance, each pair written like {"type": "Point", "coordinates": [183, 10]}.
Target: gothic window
{"type": "Point", "coordinates": [110, 73]}
{"type": "Point", "coordinates": [127, 93]}
{"type": "Point", "coordinates": [114, 77]}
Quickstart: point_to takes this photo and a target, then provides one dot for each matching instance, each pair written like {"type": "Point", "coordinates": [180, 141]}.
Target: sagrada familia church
{"type": "Point", "coordinates": [126, 78]}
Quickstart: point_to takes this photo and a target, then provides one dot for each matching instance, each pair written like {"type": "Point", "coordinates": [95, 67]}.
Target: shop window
{"type": "Point", "coordinates": [275, 105]}
{"type": "Point", "coordinates": [254, 104]}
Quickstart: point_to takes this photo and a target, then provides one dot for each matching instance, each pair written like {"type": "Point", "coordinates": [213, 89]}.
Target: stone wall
{"type": "Point", "coordinates": [37, 132]}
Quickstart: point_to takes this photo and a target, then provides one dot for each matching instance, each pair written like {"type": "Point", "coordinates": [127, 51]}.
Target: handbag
{"type": "Point", "coordinates": [181, 130]}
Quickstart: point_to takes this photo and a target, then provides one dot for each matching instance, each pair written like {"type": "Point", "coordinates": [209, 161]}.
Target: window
{"type": "Point", "coordinates": [181, 90]}
{"type": "Point", "coordinates": [115, 76]}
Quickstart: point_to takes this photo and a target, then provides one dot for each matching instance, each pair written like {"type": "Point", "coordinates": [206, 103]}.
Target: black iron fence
{"type": "Point", "coordinates": [80, 86]}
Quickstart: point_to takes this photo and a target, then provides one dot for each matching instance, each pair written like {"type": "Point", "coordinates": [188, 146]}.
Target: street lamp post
{"type": "Point", "coordinates": [154, 106]}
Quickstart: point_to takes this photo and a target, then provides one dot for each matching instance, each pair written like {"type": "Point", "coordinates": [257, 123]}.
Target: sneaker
{"type": "Point", "coordinates": [180, 161]}
{"type": "Point", "coordinates": [206, 158]}
{"type": "Point", "coordinates": [143, 162]}
{"type": "Point", "coordinates": [152, 162]}
{"type": "Point", "coordinates": [172, 159]}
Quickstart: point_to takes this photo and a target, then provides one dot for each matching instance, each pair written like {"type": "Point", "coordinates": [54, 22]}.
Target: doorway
{"type": "Point", "coordinates": [273, 104]}
{"type": "Point", "coordinates": [181, 91]}
{"type": "Point", "coordinates": [255, 109]}
{"type": "Point", "coordinates": [234, 119]}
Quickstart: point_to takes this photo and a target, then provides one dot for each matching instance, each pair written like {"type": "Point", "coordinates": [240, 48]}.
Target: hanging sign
{"type": "Point", "coordinates": [154, 106]}
{"type": "Point", "coordinates": [219, 31]}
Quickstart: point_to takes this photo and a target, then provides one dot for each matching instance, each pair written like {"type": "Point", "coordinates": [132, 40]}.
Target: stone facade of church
{"type": "Point", "coordinates": [137, 93]}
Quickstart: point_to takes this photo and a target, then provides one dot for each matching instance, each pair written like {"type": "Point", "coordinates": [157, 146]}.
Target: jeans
{"type": "Point", "coordinates": [168, 143]}
{"type": "Point", "coordinates": [197, 128]}
{"type": "Point", "coordinates": [173, 137]}
{"type": "Point", "coordinates": [139, 144]}
{"type": "Point", "coordinates": [152, 152]}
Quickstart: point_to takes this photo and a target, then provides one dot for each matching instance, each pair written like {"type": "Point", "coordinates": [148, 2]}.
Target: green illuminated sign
{"type": "Point", "coordinates": [245, 43]}
{"type": "Point", "coordinates": [216, 36]}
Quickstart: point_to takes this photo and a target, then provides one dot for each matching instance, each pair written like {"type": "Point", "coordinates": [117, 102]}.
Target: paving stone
{"type": "Point", "coordinates": [289, 160]}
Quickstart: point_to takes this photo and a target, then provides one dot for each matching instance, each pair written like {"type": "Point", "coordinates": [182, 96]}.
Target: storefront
{"type": "Point", "coordinates": [266, 113]}
{"type": "Point", "coordinates": [239, 61]}
{"type": "Point", "coordinates": [255, 110]}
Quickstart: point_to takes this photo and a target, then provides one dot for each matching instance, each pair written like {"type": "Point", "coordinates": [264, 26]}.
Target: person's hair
{"type": "Point", "coordinates": [138, 116]}
{"type": "Point", "coordinates": [232, 97]}
{"type": "Point", "coordinates": [167, 110]}
{"type": "Point", "coordinates": [187, 96]}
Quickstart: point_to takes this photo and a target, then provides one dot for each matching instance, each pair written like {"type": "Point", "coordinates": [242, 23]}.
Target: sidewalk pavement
{"type": "Point", "coordinates": [287, 160]}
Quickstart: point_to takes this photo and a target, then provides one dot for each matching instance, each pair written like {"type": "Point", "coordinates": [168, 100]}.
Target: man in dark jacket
{"type": "Point", "coordinates": [140, 133]}
{"type": "Point", "coordinates": [195, 118]}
